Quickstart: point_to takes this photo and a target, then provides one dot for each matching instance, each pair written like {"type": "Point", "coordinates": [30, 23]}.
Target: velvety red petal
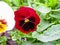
{"type": "Point", "coordinates": [26, 32]}
{"type": "Point", "coordinates": [29, 13]}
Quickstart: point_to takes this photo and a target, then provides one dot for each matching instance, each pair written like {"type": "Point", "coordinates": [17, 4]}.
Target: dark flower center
{"type": "Point", "coordinates": [32, 19]}
{"type": "Point", "coordinates": [27, 24]}
{"type": "Point", "coordinates": [21, 22]}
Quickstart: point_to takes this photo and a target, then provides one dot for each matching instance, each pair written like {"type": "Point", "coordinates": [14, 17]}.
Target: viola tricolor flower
{"type": "Point", "coordinates": [6, 17]}
{"type": "Point", "coordinates": [26, 19]}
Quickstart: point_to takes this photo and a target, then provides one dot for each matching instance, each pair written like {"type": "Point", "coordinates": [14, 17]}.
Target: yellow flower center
{"type": "Point", "coordinates": [26, 20]}
{"type": "Point", "coordinates": [3, 26]}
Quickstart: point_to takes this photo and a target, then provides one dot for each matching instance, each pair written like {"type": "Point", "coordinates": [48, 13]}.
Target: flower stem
{"type": "Point", "coordinates": [29, 3]}
{"type": "Point", "coordinates": [56, 10]}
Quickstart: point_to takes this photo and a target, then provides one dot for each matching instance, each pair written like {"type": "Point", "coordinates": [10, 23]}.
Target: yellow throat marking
{"type": "Point", "coordinates": [2, 27]}
{"type": "Point", "coordinates": [26, 20]}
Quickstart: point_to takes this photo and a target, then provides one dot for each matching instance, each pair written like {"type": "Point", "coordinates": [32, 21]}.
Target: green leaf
{"type": "Point", "coordinates": [42, 1]}
{"type": "Point", "coordinates": [35, 34]}
{"type": "Point", "coordinates": [55, 15]}
{"type": "Point", "coordinates": [37, 43]}
{"type": "Point", "coordinates": [48, 43]}
{"type": "Point", "coordinates": [8, 2]}
{"type": "Point", "coordinates": [2, 39]}
{"type": "Point", "coordinates": [52, 3]}
{"type": "Point", "coordinates": [16, 2]}
{"type": "Point", "coordinates": [30, 43]}
{"type": "Point", "coordinates": [27, 43]}
{"type": "Point", "coordinates": [51, 34]}
{"type": "Point", "coordinates": [43, 9]}
{"type": "Point", "coordinates": [43, 25]}
{"type": "Point", "coordinates": [58, 44]}
{"type": "Point", "coordinates": [58, 6]}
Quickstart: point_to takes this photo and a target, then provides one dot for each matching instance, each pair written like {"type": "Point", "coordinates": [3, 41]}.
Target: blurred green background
{"type": "Point", "coordinates": [49, 27]}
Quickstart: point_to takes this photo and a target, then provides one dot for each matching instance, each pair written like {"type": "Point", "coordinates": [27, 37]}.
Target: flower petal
{"type": "Point", "coordinates": [26, 19]}
{"type": "Point", "coordinates": [7, 13]}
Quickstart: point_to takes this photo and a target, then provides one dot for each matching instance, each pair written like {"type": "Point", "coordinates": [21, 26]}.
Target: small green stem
{"type": "Point", "coordinates": [56, 10]}
{"type": "Point", "coordinates": [29, 3]}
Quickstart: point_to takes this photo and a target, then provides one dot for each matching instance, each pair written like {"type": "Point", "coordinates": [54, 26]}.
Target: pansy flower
{"type": "Point", "coordinates": [6, 17]}
{"type": "Point", "coordinates": [26, 19]}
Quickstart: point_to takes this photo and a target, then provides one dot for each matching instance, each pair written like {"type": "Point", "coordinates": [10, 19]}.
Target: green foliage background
{"type": "Point", "coordinates": [48, 31]}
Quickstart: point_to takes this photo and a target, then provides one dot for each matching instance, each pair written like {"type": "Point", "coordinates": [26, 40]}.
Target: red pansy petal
{"type": "Point", "coordinates": [26, 32]}
{"type": "Point", "coordinates": [26, 13]}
